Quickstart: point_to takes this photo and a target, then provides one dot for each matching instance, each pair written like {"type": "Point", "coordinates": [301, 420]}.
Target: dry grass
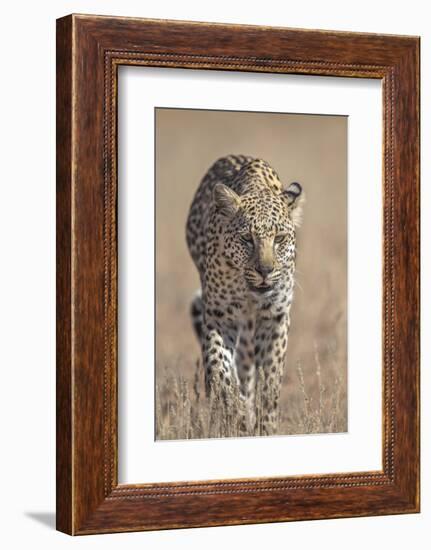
{"type": "Point", "coordinates": [184, 412]}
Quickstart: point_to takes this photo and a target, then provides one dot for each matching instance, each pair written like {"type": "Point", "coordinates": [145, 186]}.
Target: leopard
{"type": "Point", "coordinates": [241, 233]}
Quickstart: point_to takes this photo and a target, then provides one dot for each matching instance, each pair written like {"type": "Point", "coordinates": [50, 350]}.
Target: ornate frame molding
{"type": "Point", "coordinates": [90, 49]}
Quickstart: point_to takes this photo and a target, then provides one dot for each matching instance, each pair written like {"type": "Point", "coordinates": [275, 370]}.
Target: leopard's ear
{"type": "Point", "coordinates": [226, 200]}
{"type": "Point", "coordinates": [295, 199]}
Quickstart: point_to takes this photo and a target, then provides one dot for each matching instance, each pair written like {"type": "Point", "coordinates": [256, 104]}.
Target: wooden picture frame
{"type": "Point", "coordinates": [89, 51]}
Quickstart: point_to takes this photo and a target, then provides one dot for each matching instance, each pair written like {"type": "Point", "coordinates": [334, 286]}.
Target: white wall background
{"type": "Point", "coordinates": [27, 306]}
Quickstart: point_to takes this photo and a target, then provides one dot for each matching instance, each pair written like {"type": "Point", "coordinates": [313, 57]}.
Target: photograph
{"type": "Point", "coordinates": [251, 274]}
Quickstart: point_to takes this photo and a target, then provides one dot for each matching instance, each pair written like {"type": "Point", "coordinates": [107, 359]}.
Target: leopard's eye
{"type": "Point", "coordinates": [247, 238]}
{"type": "Point", "coordinates": [281, 237]}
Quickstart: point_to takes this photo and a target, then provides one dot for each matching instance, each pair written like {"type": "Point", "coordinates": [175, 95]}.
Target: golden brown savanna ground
{"type": "Point", "coordinates": [311, 149]}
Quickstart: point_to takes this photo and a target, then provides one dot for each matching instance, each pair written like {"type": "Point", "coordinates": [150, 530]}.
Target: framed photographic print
{"type": "Point", "coordinates": [237, 274]}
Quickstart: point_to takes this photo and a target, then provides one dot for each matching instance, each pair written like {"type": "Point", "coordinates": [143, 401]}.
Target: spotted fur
{"type": "Point", "coordinates": [241, 233]}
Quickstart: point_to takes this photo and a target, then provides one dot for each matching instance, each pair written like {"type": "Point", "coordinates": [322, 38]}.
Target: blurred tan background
{"type": "Point", "coordinates": [310, 149]}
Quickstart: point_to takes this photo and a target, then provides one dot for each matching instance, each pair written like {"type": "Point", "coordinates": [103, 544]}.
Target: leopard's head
{"type": "Point", "coordinates": [259, 234]}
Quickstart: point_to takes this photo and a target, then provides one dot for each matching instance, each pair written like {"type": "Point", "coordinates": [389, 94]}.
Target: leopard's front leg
{"type": "Point", "coordinates": [270, 354]}
{"type": "Point", "coordinates": [245, 366]}
{"type": "Point", "coordinates": [218, 345]}
{"type": "Point", "coordinates": [222, 379]}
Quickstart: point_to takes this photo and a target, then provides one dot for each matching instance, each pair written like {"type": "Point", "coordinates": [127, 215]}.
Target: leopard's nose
{"type": "Point", "coordinates": [264, 270]}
